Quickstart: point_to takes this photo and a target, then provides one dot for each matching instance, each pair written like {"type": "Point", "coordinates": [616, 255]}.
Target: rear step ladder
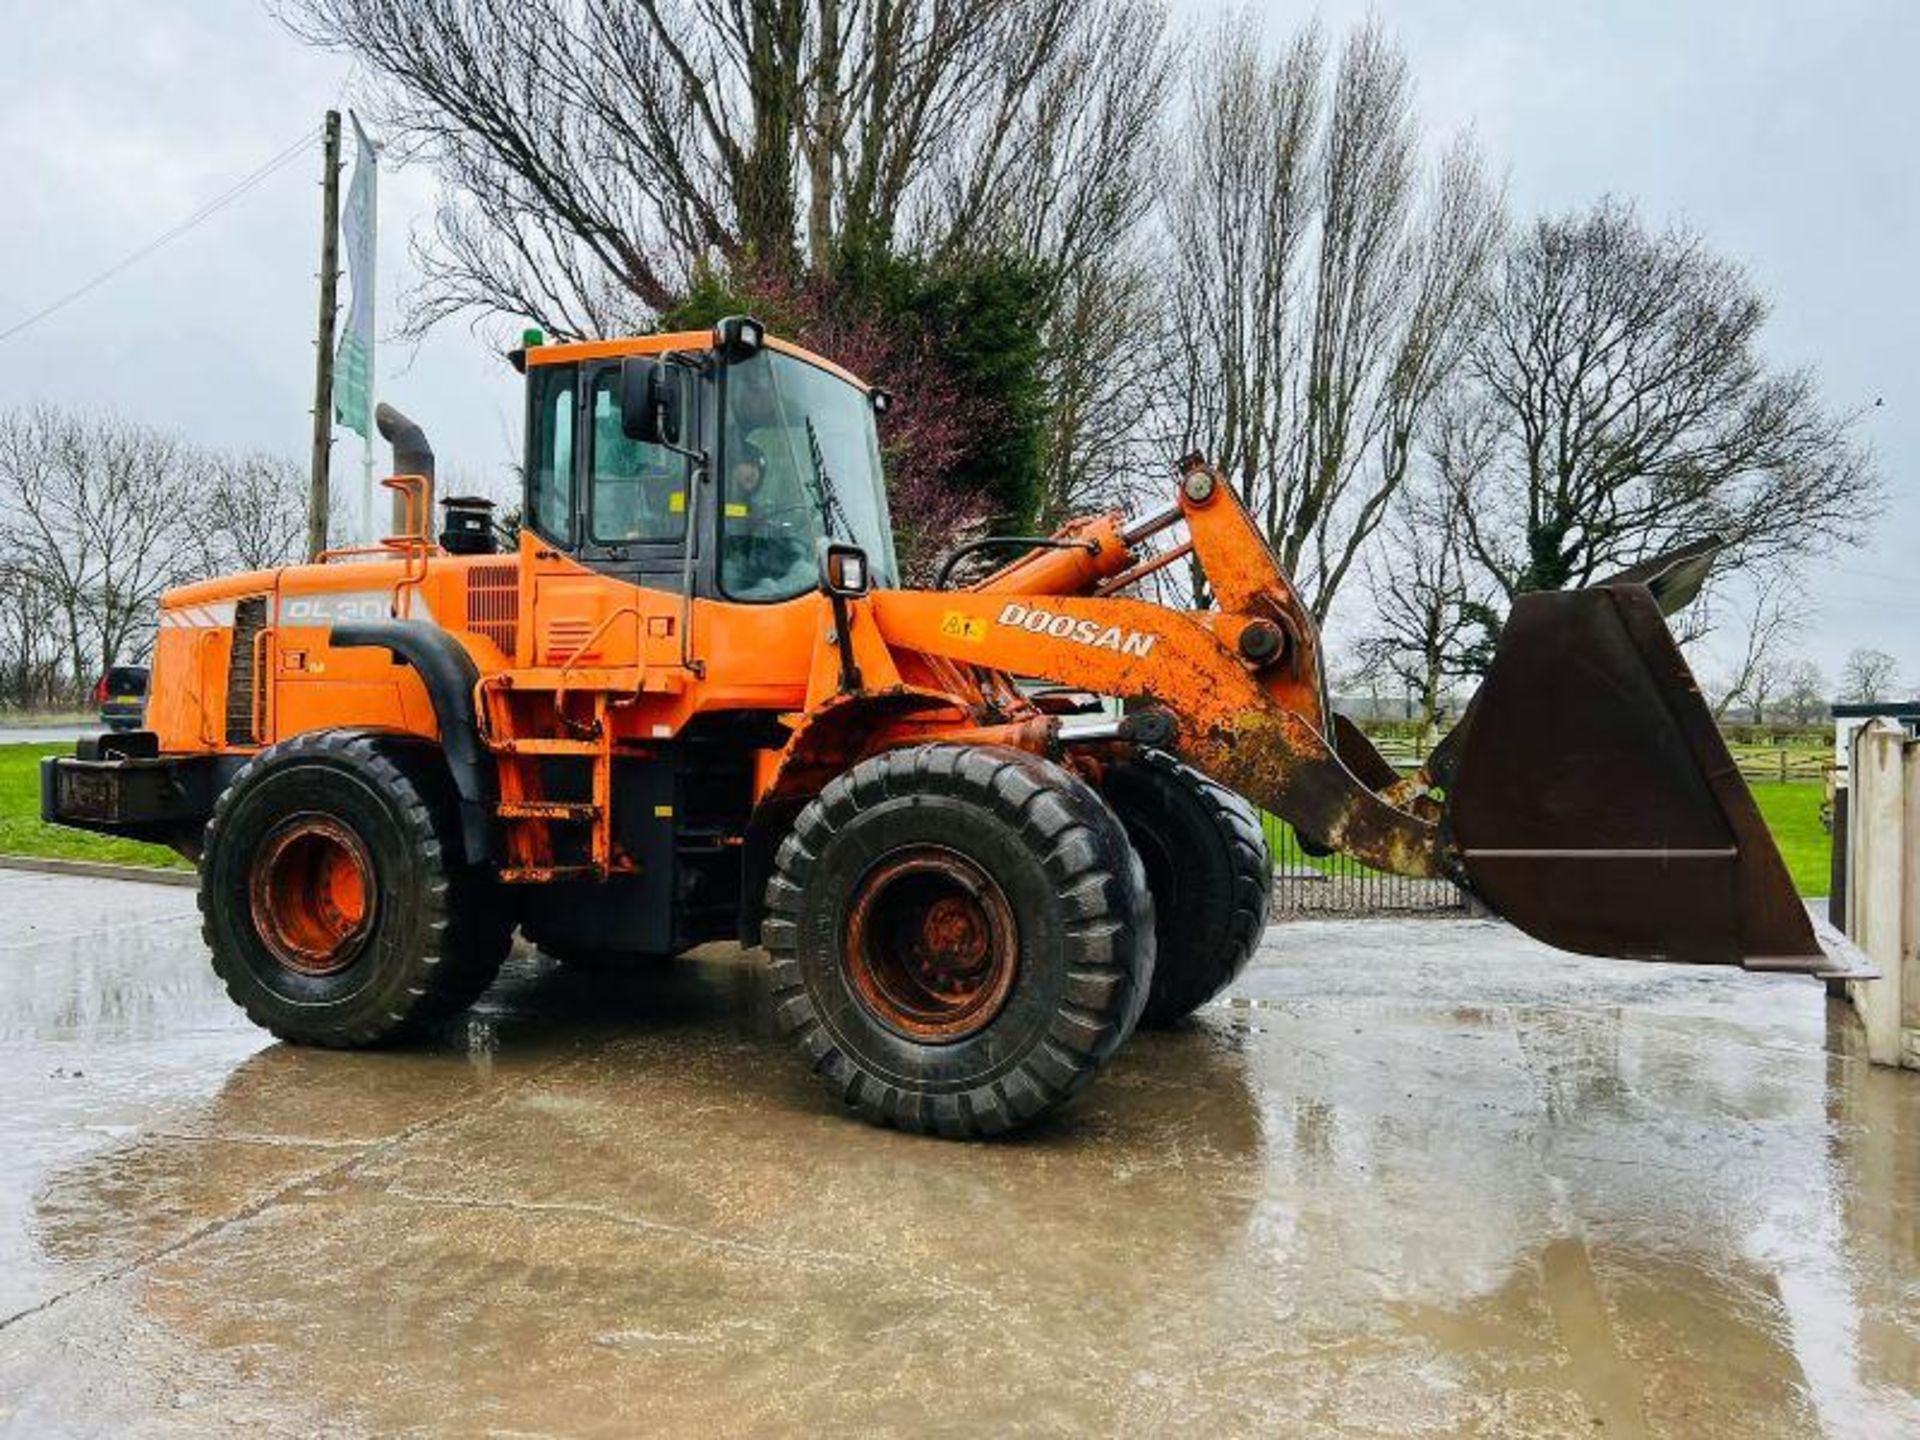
{"type": "Point", "coordinates": [529, 817]}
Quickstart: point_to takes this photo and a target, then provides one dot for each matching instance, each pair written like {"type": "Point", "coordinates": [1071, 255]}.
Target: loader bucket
{"type": "Point", "coordinates": [1593, 803]}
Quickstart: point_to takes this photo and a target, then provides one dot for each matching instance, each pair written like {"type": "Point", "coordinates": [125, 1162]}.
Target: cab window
{"type": "Point", "coordinates": [550, 471]}
{"type": "Point", "coordinates": [800, 462]}
{"type": "Point", "coordinates": [639, 491]}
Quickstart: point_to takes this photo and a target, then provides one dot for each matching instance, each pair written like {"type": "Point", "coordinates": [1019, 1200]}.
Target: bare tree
{"type": "Point", "coordinates": [1240, 214]}
{"type": "Point", "coordinates": [1062, 171]}
{"type": "Point", "coordinates": [1361, 681]}
{"type": "Point", "coordinates": [32, 669]}
{"type": "Point", "coordinates": [96, 511]}
{"type": "Point", "coordinates": [1323, 287]}
{"type": "Point", "coordinates": [1803, 692]}
{"type": "Point", "coordinates": [1104, 380]}
{"type": "Point", "coordinates": [1431, 602]}
{"type": "Point", "coordinates": [596, 154]}
{"type": "Point", "coordinates": [1759, 672]}
{"type": "Point", "coordinates": [1869, 675]}
{"type": "Point", "coordinates": [252, 512]}
{"type": "Point", "coordinates": [1636, 413]}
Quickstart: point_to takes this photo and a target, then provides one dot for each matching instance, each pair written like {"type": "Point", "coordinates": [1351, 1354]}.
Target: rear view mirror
{"type": "Point", "coordinates": [652, 398]}
{"type": "Point", "coordinates": [844, 572]}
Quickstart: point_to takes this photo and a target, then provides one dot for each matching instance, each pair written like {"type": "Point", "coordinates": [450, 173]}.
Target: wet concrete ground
{"type": "Point", "coordinates": [1416, 1177]}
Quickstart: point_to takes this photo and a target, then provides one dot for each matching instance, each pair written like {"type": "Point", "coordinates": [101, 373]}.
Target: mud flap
{"type": "Point", "coordinates": [1594, 804]}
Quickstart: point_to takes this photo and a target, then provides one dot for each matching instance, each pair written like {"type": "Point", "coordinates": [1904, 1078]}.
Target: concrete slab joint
{"type": "Point", "coordinates": [1883, 888]}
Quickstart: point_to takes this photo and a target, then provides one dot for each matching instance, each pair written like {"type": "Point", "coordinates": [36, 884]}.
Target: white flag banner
{"type": "Point", "coordinates": [353, 362]}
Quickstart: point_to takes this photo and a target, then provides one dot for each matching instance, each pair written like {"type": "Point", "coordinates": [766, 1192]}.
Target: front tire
{"type": "Point", "coordinates": [332, 898]}
{"type": "Point", "coordinates": [961, 937]}
{"type": "Point", "coordinates": [1210, 871]}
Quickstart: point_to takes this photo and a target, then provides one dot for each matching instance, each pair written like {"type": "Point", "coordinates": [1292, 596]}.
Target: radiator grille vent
{"type": "Point", "coordinates": [249, 619]}
{"type": "Point", "coordinates": [493, 604]}
{"type": "Point", "coordinates": [564, 639]}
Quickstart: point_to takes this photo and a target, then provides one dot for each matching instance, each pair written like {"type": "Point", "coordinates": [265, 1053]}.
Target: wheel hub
{"type": "Point", "coordinates": [931, 945]}
{"type": "Point", "coordinates": [313, 894]}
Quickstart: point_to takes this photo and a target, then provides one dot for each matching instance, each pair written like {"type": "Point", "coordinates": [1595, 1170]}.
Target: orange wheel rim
{"type": "Point", "coordinates": [313, 894]}
{"type": "Point", "coordinates": [932, 947]}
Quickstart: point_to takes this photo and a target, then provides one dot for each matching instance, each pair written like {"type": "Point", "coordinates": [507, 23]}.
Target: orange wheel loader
{"type": "Point", "coordinates": [694, 702]}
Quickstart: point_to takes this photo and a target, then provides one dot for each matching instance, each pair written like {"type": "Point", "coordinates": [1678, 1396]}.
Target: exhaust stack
{"type": "Point", "coordinates": [412, 455]}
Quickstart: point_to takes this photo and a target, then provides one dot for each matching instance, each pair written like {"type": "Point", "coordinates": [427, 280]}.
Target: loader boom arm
{"type": "Point", "coordinates": [1242, 683]}
{"type": "Point", "coordinates": [1587, 795]}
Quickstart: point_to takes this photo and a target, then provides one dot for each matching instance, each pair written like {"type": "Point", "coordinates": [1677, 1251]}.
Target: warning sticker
{"type": "Point", "coordinates": [958, 626]}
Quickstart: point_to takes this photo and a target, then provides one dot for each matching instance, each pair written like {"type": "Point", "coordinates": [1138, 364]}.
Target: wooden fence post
{"type": "Point", "coordinates": [1883, 888]}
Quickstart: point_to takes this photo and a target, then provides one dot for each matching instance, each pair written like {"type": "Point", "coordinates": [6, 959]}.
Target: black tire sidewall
{"type": "Point", "coordinates": [1189, 862]}
{"type": "Point", "coordinates": [976, 832]}
{"type": "Point", "coordinates": [1189, 834]}
{"type": "Point", "coordinates": [380, 981]}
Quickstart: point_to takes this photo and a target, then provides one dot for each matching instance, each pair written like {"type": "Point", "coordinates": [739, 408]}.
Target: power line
{"type": "Point", "coordinates": [206, 211]}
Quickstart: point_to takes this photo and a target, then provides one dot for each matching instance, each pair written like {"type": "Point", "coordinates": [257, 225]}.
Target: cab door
{"type": "Point", "coordinates": [614, 505]}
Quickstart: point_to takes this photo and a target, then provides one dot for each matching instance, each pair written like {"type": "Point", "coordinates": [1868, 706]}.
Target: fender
{"type": "Point", "coordinates": [450, 675]}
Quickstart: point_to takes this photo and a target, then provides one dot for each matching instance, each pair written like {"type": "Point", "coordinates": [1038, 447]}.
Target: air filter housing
{"type": "Point", "coordinates": [467, 526]}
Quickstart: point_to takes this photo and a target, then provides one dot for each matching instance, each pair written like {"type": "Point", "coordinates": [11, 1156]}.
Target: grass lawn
{"type": "Point", "coordinates": [21, 832]}
{"type": "Point", "coordinates": [1792, 813]}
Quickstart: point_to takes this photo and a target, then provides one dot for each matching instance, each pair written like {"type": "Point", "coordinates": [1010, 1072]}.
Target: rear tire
{"type": "Point", "coordinates": [331, 897]}
{"type": "Point", "coordinates": [961, 937]}
{"type": "Point", "coordinates": [1210, 871]}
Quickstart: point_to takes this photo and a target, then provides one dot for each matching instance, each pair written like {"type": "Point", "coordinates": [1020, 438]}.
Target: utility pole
{"type": "Point", "coordinates": [317, 497]}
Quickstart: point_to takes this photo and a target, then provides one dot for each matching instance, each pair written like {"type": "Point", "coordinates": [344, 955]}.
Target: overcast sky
{"type": "Point", "coordinates": [1785, 132]}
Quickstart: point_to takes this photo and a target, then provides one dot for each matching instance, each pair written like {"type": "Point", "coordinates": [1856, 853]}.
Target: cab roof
{"type": "Point", "coordinates": [562, 352]}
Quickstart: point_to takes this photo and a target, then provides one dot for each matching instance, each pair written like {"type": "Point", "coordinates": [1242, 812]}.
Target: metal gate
{"type": "Point", "coordinates": [1335, 885]}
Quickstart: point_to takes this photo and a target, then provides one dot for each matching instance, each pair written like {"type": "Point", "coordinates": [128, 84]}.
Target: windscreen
{"type": "Point", "coordinates": [800, 461]}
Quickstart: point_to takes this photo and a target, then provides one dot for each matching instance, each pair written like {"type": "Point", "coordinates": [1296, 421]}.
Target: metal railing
{"type": "Point", "coordinates": [1330, 886]}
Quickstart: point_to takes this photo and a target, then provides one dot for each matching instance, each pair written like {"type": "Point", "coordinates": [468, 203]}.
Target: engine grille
{"type": "Point", "coordinates": [493, 604]}
{"type": "Point", "coordinates": [564, 637]}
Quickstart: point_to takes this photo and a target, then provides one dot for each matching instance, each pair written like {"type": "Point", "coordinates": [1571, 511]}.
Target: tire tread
{"type": "Point", "coordinates": [465, 937]}
{"type": "Point", "coordinates": [1109, 932]}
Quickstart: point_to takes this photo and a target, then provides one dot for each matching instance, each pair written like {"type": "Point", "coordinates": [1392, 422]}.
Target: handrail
{"type": "Point", "coordinates": [482, 722]}
{"type": "Point", "coordinates": [401, 545]}
{"type": "Point", "coordinates": [208, 735]}
{"type": "Point", "coordinates": [414, 490]}
{"type": "Point", "coordinates": [560, 681]}
{"type": "Point", "coordinates": [257, 667]}
{"type": "Point", "coordinates": [409, 581]}
{"type": "Point", "coordinates": [413, 538]}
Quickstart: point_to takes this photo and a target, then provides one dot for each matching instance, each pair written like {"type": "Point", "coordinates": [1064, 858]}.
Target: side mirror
{"type": "Point", "coordinates": [652, 400]}
{"type": "Point", "coordinates": [844, 572]}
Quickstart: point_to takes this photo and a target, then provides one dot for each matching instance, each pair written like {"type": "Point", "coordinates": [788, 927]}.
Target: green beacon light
{"type": "Point", "coordinates": [533, 337]}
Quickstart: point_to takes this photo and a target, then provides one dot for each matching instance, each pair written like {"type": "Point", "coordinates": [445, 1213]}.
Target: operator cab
{"type": "Point", "coordinates": [723, 459]}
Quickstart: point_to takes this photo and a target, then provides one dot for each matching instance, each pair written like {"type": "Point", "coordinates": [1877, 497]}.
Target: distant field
{"type": "Point", "coordinates": [21, 832]}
